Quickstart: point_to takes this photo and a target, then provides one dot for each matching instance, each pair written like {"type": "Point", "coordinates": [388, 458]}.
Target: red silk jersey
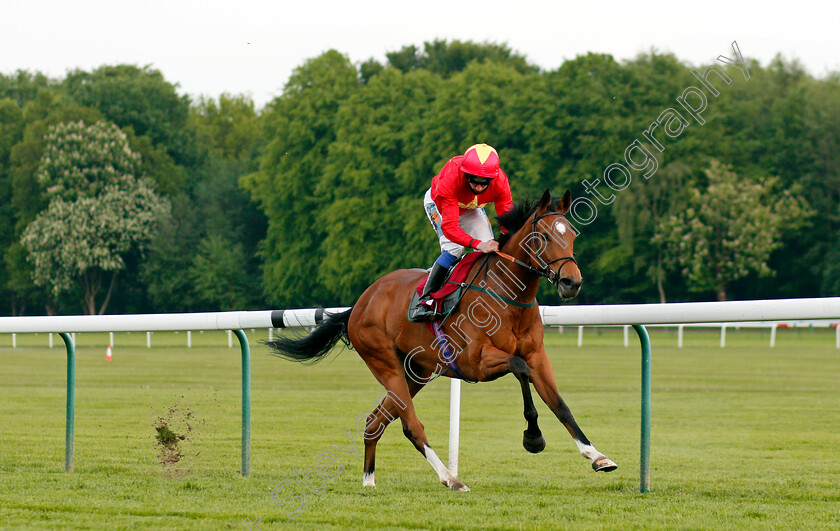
{"type": "Point", "coordinates": [453, 196]}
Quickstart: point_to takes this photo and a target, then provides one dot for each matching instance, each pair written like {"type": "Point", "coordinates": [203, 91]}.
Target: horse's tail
{"type": "Point", "coordinates": [315, 346]}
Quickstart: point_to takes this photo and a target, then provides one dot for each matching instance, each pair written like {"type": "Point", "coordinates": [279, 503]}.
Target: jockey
{"type": "Point", "coordinates": [455, 207]}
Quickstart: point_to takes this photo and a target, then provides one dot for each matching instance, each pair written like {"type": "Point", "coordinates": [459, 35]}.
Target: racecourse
{"type": "Point", "coordinates": [742, 436]}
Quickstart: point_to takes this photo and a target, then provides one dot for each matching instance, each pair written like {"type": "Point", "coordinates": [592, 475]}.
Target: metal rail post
{"type": "Point", "coordinates": [454, 424]}
{"type": "Point", "coordinates": [644, 457]}
{"type": "Point", "coordinates": [246, 401]}
{"type": "Point", "coordinates": [71, 402]}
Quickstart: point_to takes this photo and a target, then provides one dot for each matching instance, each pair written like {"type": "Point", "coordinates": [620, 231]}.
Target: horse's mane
{"type": "Point", "coordinates": [513, 220]}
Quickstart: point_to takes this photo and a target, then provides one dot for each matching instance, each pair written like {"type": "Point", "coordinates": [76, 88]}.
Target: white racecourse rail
{"type": "Point", "coordinates": [624, 314]}
{"type": "Point", "coordinates": [630, 314]}
{"type": "Point", "coordinates": [643, 314]}
{"type": "Point", "coordinates": [692, 312]}
{"type": "Point", "coordinates": [617, 314]}
{"type": "Point", "coordinates": [139, 322]}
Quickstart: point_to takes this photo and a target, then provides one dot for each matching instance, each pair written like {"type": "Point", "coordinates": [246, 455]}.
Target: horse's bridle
{"type": "Point", "coordinates": [546, 271]}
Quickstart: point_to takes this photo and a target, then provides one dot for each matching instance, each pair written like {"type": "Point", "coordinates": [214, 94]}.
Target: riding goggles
{"type": "Point", "coordinates": [478, 181]}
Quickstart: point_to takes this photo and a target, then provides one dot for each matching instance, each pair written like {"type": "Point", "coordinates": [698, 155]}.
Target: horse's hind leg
{"type": "Point", "coordinates": [387, 411]}
{"type": "Point", "coordinates": [392, 376]}
{"type": "Point", "coordinates": [543, 378]}
{"type": "Point", "coordinates": [413, 430]}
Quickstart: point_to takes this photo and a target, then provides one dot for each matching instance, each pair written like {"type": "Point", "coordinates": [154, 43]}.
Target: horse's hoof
{"type": "Point", "coordinates": [534, 445]}
{"type": "Point", "coordinates": [459, 487]}
{"type": "Point", "coordinates": [603, 464]}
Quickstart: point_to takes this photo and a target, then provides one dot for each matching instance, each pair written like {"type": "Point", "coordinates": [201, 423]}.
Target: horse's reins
{"type": "Point", "coordinates": [542, 271]}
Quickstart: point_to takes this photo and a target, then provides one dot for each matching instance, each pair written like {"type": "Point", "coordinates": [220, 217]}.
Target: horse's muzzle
{"type": "Point", "coordinates": [568, 288]}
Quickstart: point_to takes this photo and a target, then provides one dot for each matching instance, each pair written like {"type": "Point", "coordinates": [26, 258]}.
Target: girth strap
{"type": "Point", "coordinates": [448, 356]}
{"type": "Point", "coordinates": [500, 297]}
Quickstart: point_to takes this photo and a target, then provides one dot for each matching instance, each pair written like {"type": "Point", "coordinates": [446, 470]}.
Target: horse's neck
{"type": "Point", "coordinates": [519, 283]}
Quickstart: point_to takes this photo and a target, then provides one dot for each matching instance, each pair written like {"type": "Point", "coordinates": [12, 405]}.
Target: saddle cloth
{"type": "Point", "coordinates": [446, 297]}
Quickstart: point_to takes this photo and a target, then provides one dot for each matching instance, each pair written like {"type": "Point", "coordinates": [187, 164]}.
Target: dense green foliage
{"type": "Point", "coordinates": [310, 199]}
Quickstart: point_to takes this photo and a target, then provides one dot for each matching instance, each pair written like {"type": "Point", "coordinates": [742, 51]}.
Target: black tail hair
{"type": "Point", "coordinates": [318, 344]}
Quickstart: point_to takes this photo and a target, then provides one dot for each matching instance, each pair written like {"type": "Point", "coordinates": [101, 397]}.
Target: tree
{"type": "Point", "coordinates": [301, 127]}
{"type": "Point", "coordinates": [729, 229]}
{"type": "Point", "coordinates": [98, 213]}
{"type": "Point", "coordinates": [808, 153]}
{"type": "Point", "coordinates": [377, 172]}
{"type": "Point", "coordinates": [639, 210]}
{"type": "Point", "coordinates": [140, 98]}
{"type": "Point", "coordinates": [149, 109]}
{"type": "Point", "coordinates": [211, 207]}
{"type": "Point", "coordinates": [11, 129]}
{"type": "Point", "coordinates": [26, 148]}
{"type": "Point", "coordinates": [24, 86]}
{"type": "Point", "coordinates": [228, 126]}
{"type": "Point", "coordinates": [368, 69]}
{"type": "Point", "coordinates": [19, 284]}
{"type": "Point", "coordinates": [217, 276]}
{"type": "Point", "coordinates": [169, 255]}
{"type": "Point", "coordinates": [446, 58]}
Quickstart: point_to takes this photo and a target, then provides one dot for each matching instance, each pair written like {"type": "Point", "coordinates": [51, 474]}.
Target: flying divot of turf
{"type": "Point", "coordinates": [172, 431]}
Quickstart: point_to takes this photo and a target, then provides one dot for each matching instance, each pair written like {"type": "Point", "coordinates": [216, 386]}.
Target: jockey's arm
{"type": "Point", "coordinates": [503, 200]}
{"type": "Point", "coordinates": [503, 203]}
{"type": "Point", "coordinates": [488, 247]}
{"type": "Point", "coordinates": [450, 213]}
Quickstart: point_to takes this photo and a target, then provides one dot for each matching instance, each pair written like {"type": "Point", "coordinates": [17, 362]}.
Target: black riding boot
{"type": "Point", "coordinates": [425, 309]}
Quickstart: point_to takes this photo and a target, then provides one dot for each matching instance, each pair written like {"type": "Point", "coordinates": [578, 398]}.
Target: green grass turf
{"type": "Point", "coordinates": [743, 437]}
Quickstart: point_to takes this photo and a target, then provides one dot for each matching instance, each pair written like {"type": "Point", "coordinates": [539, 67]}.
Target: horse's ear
{"type": "Point", "coordinates": [545, 202]}
{"type": "Point", "coordinates": [565, 202]}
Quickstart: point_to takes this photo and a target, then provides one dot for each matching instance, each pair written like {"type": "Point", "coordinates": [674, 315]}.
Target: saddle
{"type": "Point", "coordinates": [446, 298]}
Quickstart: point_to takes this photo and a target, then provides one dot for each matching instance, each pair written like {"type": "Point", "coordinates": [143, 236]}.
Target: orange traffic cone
{"type": "Point", "coordinates": [108, 354]}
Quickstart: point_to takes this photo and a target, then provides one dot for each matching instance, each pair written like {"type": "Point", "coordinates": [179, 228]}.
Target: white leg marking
{"type": "Point", "coordinates": [588, 451]}
{"type": "Point", "coordinates": [367, 481]}
{"type": "Point", "coordinates": [443, 473]}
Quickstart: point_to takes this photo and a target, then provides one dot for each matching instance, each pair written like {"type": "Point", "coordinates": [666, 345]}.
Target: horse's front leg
{"type": "Point", "coordinates": [532, 439]}
{"type": "Point", "coordinates": [495, 363]}
{"type": "Point", "coordinates": [542, 377]}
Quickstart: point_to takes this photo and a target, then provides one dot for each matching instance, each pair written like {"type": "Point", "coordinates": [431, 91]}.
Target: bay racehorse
{"type": "Point", "coordinates": [495, 330]}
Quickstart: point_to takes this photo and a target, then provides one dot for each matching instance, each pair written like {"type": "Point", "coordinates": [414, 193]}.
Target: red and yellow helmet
{"type": "Point", "coordinates": [481, 160]}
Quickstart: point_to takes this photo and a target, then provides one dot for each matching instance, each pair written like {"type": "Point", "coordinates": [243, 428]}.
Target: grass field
{"type": "Point", "coordinates": [743, 437]}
